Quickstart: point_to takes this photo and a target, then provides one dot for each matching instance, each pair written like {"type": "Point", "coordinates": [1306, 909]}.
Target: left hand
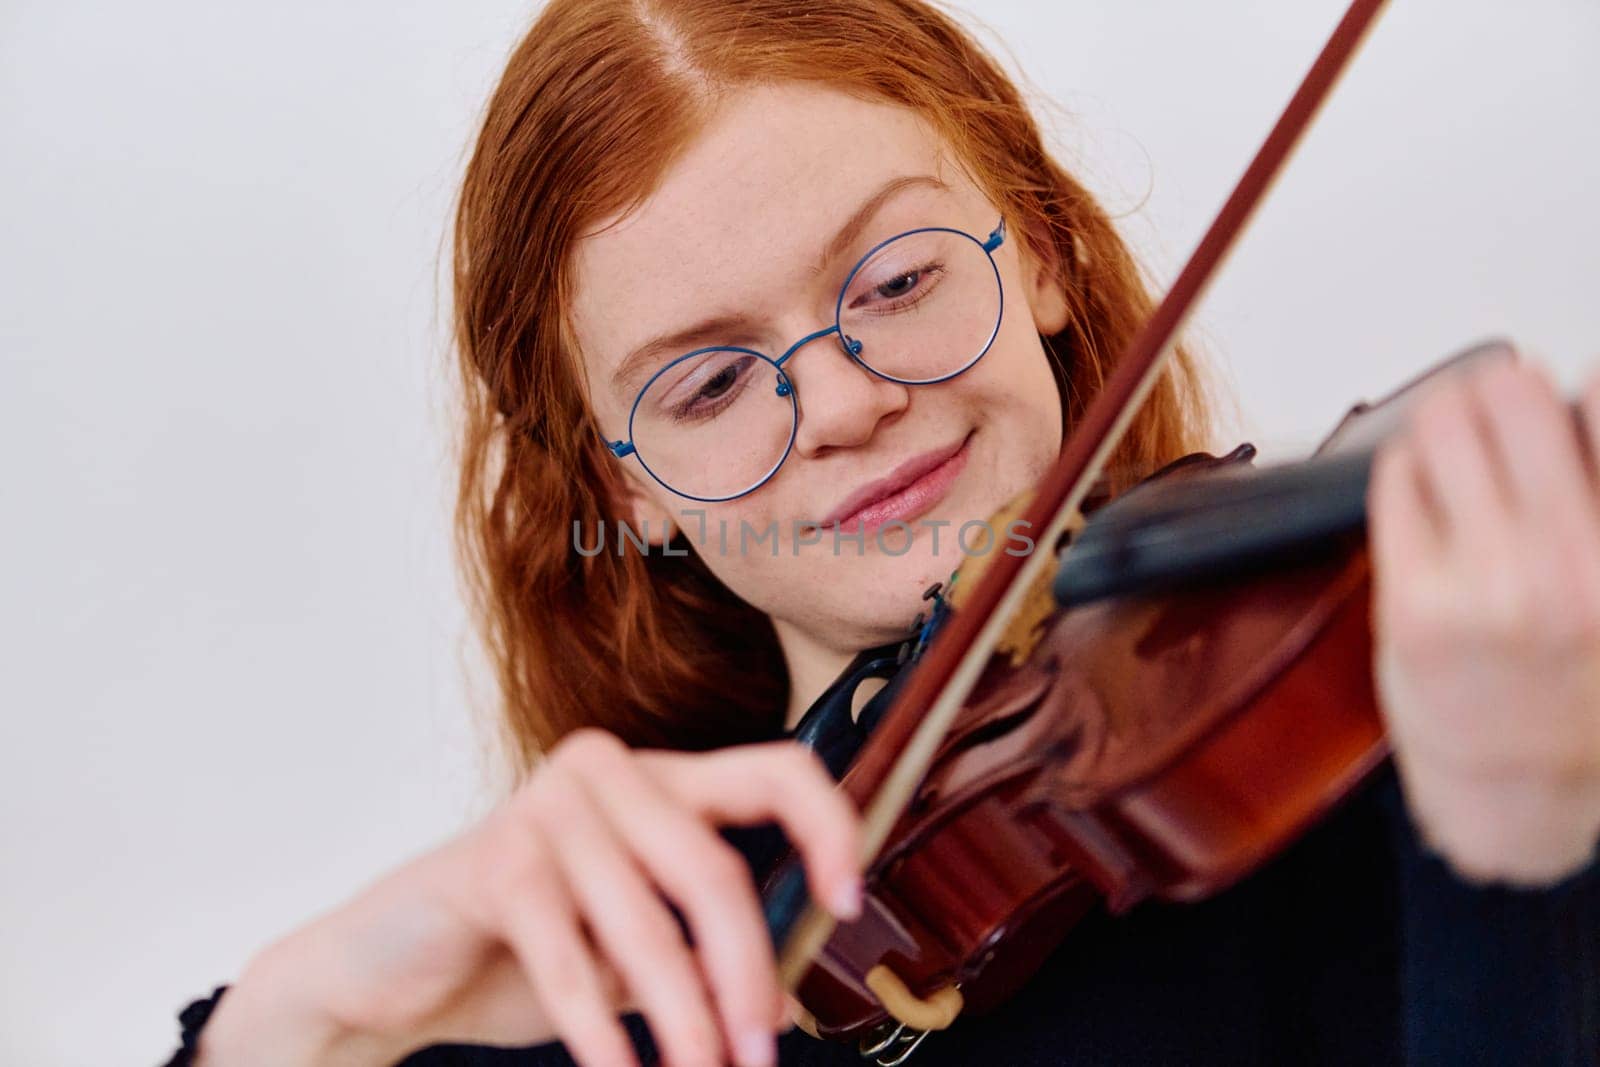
{"type": "Point", "coordinates": [1484, 523]}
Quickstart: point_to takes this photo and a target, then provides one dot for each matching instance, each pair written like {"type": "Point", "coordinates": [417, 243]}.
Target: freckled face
{"type": "Point", "coordinates": [736, 227]}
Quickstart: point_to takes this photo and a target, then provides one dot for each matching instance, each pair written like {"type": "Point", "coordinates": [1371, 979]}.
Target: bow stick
{"type": "Point", "coordinates": [900, 749]}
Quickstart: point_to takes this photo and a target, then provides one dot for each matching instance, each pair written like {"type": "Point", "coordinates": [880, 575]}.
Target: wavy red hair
{"type": "Point", "coordinates": [595, 103]}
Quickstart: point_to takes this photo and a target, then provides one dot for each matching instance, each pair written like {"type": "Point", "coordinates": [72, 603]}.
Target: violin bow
{"type": "Point", "coordinates": [899, 751]}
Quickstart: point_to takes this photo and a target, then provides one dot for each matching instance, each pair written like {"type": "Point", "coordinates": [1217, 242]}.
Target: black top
{"type": "Point", "coordinates": [1355, 946]}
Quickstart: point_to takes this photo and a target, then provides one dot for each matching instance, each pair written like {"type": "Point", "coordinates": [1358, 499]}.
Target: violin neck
{"type": "Point", "coordinates": [1217, 526]}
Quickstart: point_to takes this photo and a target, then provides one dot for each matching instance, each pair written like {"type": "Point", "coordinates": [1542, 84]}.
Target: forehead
{"type": "Point", "coordinates": [739, 220]}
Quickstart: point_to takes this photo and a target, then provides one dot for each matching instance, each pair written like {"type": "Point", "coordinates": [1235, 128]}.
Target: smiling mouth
{"type": "Point", "coordinates": [912, 489]}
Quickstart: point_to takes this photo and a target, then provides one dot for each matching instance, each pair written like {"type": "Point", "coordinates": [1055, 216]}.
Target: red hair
{"type": "Point", "coordinates": [596, 102]}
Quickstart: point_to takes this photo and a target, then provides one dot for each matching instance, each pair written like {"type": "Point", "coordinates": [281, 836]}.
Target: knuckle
{"type": "Point", "coordinates": [1494, 377]}
{"type": "Point", "coordinates": [528, 796]}
{"type": "Point", "coordinates": [805, 766]}
{"type": "Point", "coordinates": [1436, 410]}
{"type": "Point", "coordinates": [720, 865]}
{"type": "Point", "coordinates": [1542, 381]}
{"type": "Point", "coordinates": [693, 1043]}
{"type": "Point", "coordinates": [1411, 622]}
{"type": "Point", "coordinates": [588, 746]}
{"type": "Point", "coordinates": [550, 795]}
{"type": "Point", "coordinates": [1506, 609]}
{"type": "Point", "coordinates": [652, 934]}
{"type": "Point", "coordinates": [1387, 461]}
{"type": "Point", "coordinates": [513, 870]}
{"type": "Point", "coordinates": [561, 970]}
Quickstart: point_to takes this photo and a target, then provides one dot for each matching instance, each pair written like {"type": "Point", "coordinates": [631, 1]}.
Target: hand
{"type": "Point", "coordinates": [1485, 535]}
{"type": "Point", "coordinates": [547, 919]}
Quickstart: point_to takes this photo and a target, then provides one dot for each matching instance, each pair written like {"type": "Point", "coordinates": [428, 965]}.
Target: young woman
{"type": "Point", "coordinates": [726, 266]}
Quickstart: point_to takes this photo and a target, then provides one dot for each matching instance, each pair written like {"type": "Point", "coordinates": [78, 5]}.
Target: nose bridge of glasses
{"type": "Point", "coordinates": [851, 347]}
{"type": "Point", "coordinates": [807, 339]}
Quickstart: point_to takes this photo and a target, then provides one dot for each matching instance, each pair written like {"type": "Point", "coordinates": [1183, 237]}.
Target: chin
{"type": "Point", "coordinates": [898, 582]}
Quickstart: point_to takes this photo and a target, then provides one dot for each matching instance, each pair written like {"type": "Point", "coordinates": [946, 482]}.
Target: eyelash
{"type": "Point", "coordinates": [683, 412]}
{"type": "Point", "coordinates": [930, 270]}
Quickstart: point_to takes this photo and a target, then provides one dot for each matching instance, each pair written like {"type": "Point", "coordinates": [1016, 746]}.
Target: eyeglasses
{"type": "Point", "coordinates": [918, 308]}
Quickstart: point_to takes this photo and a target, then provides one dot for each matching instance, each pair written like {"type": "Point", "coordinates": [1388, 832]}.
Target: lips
{"type": "Point", "coordinates": [904, 493]}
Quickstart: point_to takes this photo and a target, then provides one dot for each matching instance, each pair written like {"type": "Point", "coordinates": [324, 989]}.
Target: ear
{"type": "Point", "coordinates": [652, 519]}
{"type": "Point", "coordinates": [1047, 292]}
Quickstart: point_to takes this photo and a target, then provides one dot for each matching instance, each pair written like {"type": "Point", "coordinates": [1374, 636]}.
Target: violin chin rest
{"type": "Point", "coordinates": [934, 1013]}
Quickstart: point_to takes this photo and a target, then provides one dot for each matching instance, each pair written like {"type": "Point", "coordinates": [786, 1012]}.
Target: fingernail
{"type": "Point", "coordinates": [847, 899]}
{"type": "Point", "coordinates": [757, 1048]}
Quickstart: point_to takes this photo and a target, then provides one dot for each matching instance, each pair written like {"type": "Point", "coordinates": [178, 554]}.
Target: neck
{"type": "Point", "coordinates": [812, 668]}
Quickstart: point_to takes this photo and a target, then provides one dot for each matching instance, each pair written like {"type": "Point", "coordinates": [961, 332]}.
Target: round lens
{"type": "Point", "coordinates": [714, 424]}
{"type": "Point", "coordinates": [922, 307]}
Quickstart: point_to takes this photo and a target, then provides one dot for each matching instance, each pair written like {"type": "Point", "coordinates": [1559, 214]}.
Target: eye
{"type": "Point", "coordinates": [710, 386]}
{"type": "Point", "coordinates": [719, 383]}
{"type": "Point", "coordinates": [900, 290]}
{"type": "Point", "coordinates": [899, 286]}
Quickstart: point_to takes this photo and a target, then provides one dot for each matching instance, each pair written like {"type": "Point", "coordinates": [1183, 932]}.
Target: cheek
{"type": "Point", "coordinates": [737, 546]}
{"type": "Point", "coordinates": [755, 576]}
{"type": "Point", "coordinates": [1018, 404]}
{"type": "Point", "coordinates": [1016, 383]}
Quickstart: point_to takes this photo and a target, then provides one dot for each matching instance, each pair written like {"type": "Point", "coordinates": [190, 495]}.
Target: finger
{"type": "Point", "coordinates": [1401, 525]}
{"type": "Point", "coordinates": [790, 1011]}
{"type": "Point", "coordinates": [709, 881]}
{"type": "Point", "coordinates": [1531, 429]}
{"type": "Point", "coordinates": [776, 781]}
{"type": "Point", "coordinates": [1588, 416]}
{"type": "Point", "coordinates": [1457, 468]}
{"type": "Point", "coordinates": [633, 927]}
{"type": "Point", "coordinates": [1558, 519]}
{"type": "Point", "coordinates": [1412, 573]}
{"type": "Point", "coordinates": [538, 920]}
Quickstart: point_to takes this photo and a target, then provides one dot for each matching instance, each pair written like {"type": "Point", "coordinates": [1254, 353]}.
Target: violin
{"type": "Point", "coordinates": [1199, 697]}
{"type": "Point", "coordinates": [1172, 687]}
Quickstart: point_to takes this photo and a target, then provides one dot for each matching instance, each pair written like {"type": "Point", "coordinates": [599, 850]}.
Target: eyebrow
{"type": "Point", "coordinates": [721, 326]}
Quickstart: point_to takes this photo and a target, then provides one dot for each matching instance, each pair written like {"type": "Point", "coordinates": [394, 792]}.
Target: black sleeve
{"type": "Point", "coordinates": [551, 1054]}
{"type": "Point", "coordinates": [1491, 974]}
{"type": "Point", "coordinates": [190, 1022]}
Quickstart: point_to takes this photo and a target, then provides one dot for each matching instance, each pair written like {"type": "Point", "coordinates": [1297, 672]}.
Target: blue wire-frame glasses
{"type": "Point", "coordinates": [919, 308]}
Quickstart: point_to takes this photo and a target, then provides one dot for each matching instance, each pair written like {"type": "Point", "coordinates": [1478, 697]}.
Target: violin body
{"type": "Point", "coordinates": [1160, 744]}
{"type": "Point", "coordinates": [1147, 748]}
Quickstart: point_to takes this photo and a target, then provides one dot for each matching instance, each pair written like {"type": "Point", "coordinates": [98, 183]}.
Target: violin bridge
{"type": "Point", "coordinates": [1025, 629]}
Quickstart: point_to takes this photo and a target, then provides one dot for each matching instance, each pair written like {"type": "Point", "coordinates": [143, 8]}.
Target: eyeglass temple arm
{"type": "Point", "coordinates": [996, 237]}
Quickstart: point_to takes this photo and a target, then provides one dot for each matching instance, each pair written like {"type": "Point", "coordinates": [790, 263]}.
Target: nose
{"type": "Point", "coordinates": [841, 403]}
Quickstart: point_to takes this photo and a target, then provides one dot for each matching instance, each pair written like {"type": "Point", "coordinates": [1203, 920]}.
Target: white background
{"type": "Point", "coordinates": [233, 687]}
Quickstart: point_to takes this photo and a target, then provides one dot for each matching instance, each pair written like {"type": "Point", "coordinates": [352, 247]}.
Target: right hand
{"type": "Point", "coordinates": [546, 919]}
